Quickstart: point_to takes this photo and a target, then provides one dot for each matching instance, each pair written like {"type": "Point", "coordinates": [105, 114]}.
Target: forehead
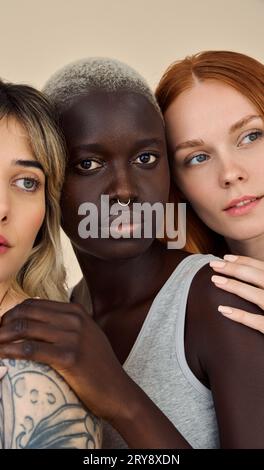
{"type": "Point", "coordinates": [13, 133]}
{"type": "Point", "coordinates": [99, 115]}
{"type": "Point", "coordinates": [206, 106]}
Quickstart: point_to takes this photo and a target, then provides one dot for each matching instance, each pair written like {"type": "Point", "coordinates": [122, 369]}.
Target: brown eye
{"type": "Point", "coordinates": [88, 165]}
{"type": "Point", "coordinates": [146, 159]}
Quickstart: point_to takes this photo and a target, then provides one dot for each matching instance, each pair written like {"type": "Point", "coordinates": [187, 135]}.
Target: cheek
{"type": "Point", "coordinates": [73, 195]}
{"type": "Point", "coordinates": [159, 184]}
{"type": "Point", "coordinates": [194, 187]}
{"type": "Point", "coordinates": [30, 223]}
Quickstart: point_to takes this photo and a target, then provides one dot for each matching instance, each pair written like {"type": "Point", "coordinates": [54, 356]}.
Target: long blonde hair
{"type": "Point", "coordinates": [43, 274]}
{"type": "Point", "coordinates": [237, 70]}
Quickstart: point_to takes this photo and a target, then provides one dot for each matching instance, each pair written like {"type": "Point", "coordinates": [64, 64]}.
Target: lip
{"type": "Point", "coordinates": [126, 230]}
{"type": "Point", "coordinates": [233, 210]}
{"type": "Point", "coordinates": [4, 242]}
{"type": "Point", "coordinates": [234, 202]}
{"type": "Point", "coordinates": [128, 217]}
{"type": "Point", "coordinates": [122, 231]}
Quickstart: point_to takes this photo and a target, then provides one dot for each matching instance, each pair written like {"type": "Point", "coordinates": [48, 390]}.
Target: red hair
{"type": "Point", "coordinates": [237, 70]}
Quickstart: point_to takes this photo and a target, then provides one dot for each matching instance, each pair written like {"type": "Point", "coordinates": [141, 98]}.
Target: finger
{"type": "Point", "coordinates": [62, 318]}
{"type": "Point", "coordinates": [246, 260]}
{"type": "Point", "coordinates": [245, 291]}
{"type": "Point", "coordinates": [241, 316]}
{"type": "Point", "coordinates": [22, 328]}
{"type": "Point", "coordinates": [33, 351]}
{"type": "Point", "coordinates": [245, 273]}
{"type": "Point", "coordinates": [3, 371]}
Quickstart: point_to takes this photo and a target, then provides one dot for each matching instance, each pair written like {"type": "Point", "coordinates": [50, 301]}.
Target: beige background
{"type": "Point", "coordinates": [39, 36]}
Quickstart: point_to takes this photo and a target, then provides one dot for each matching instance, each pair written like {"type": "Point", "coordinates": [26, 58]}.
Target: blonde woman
{"type": "Point", "coordinates": [37, 407]}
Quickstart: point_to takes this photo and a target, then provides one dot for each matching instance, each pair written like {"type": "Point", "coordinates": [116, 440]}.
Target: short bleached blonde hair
{"type": "Point", "coordinates": [95, 73]}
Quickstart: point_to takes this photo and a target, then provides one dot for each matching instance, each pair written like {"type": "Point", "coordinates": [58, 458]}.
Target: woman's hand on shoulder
{"type": "Point", "coordinates": [245, 279]}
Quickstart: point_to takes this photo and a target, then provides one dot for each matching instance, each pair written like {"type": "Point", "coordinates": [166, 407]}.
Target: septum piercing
{"type": "Point", "coordinates": [123, 204]}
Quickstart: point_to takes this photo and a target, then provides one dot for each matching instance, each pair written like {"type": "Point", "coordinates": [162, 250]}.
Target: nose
{"type": "Point", "coordinates": [123, 187]}
{"type": "Point", "coordinates": [231, 173]}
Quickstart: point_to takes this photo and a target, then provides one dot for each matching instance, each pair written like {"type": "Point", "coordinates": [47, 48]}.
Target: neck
{"type": "Point", "coordinates": [119, 283]}
{"type": "Point", "coordinates": [254, 248]}
{"type": "Point", "coordinates": [8, 298]}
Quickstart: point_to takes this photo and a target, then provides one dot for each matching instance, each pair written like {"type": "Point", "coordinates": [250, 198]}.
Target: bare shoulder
{"type": "Point", "coordinates": [228, 358]}
{"type": "Point", "coordinates": [207, 324]}
{"type": "Point", "coordinates": [39, 410]}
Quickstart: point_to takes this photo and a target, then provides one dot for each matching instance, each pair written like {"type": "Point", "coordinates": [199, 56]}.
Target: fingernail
{"type": "Point", "coordinates": [3, 371]}
{"type": "Point", "coordinates": [231, 258]}
{"type": "Point", "coordinates": [217, 264]}
{"type": "Point", "coordinates": [219, 279]}
{"type": "Point", "coordinates": [225, 310]}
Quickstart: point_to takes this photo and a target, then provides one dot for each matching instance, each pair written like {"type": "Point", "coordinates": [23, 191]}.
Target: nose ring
{"type": "Point", "coordinates": [124, 204]}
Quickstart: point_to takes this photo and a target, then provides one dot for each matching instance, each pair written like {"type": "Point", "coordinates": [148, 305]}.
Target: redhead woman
{"type": "Point", "coordinates": [213, 105]}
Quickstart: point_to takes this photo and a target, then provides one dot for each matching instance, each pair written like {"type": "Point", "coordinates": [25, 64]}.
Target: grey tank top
{"type": "Point", "coordinates": [157, 363]}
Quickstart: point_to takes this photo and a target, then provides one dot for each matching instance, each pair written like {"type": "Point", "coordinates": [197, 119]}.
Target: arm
{"type": "Point", "coordinates": [39, 411]}
{"type": "Point", "coordinates": [227, 357]}
{"type": "Point", "coordinates": [66, 337]}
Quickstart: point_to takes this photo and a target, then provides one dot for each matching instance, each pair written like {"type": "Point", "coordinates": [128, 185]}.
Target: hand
{"type": "Point", "coordinates": [64, 336]}
{"type": "Point", "coordinates": [249, 270]}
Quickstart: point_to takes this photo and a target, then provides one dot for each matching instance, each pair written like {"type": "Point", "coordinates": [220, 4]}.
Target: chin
{"type": "Point", "coordinates": [249, 233]}
{"type": "Point", "coordinates": [114, 250]}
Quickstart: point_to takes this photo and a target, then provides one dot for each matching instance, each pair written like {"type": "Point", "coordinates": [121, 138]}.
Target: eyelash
{"type": "Point", "coordinates": [257, 132]}
{"type": "Point", "coordinates": [188, 161]}
{"type": "Point", "coordinates": [92, 160]}
{"type": "Point", "coordinates": [149, 154]}
{"type": "Point", "coordinates": [33, 180]}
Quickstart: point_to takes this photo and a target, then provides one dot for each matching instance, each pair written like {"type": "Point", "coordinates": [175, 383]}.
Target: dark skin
{"type": "Point", "coordinates": [120, 174]}
{"type": "Point", "coordinates": [88, 351]}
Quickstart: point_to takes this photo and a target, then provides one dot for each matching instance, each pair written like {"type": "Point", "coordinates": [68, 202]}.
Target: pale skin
{"type": "Point", "coordinates": [216, 139]}
{"type": "Point", "coordinates": [37, 407]}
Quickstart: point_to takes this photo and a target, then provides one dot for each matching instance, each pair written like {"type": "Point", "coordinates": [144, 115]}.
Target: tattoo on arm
{"type": "Point", "coordinates": [38, 410]}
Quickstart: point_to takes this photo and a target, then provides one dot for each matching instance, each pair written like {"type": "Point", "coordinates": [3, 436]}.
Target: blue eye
{"type": "Point", "coordinates": [27, 184]}
{"type": "Point", "coordinates": [202, 157]}
{"type": "Point", "coordinates": [146, 159]}
{"type": "Point", "coordinates": [251, 137]}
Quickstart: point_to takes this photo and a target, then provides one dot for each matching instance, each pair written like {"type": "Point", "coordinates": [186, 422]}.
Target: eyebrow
{"type": "Point", "coordinates": [189, 144]}
{"type": "Point", "coordinates": [243, 122]}
{"type": "Point", "coordinates": [28, 164]}
{"type": "Point", "coordinates": [237, 125]}
{"type": "Point", "coordinates": [97, 147]}
{"type": "Point", "coordinates": [149, 141]}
